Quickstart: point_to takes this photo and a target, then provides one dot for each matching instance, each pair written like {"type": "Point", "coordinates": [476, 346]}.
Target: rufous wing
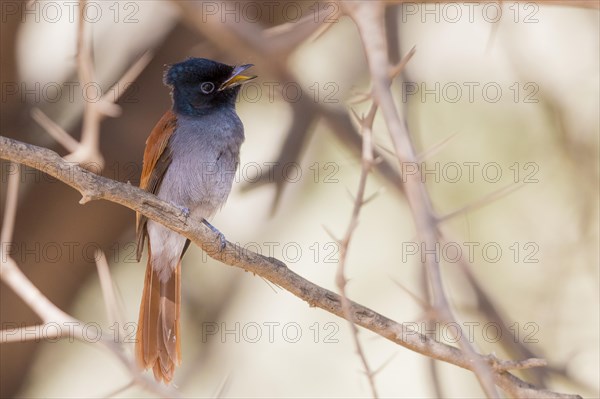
{"type": "Point", "coordinates": [157, 157]}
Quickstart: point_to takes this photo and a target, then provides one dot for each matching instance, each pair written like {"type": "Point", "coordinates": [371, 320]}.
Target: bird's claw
{"type": "Point", "coordinates": [185, 212]}
{"type": "Point", "coordinates": [220, 236]}
{"type": "Point", "coordinates": [222, 241]}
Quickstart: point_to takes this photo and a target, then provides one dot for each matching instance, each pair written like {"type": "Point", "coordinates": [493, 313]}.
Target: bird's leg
{"type": "Point", "coordinates": [222, 240]}
{"type": "Point", "coordinates": [185, 212]}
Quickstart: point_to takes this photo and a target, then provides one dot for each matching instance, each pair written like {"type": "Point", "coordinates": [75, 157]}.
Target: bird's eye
{"type": "Point", "coordinates": [207, 87]}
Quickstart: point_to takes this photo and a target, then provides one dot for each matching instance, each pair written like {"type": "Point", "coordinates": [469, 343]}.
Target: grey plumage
{"type": "Point", "coordinates": [205, 153]}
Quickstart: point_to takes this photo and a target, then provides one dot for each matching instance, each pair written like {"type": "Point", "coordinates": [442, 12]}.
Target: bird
{"type": "Point", "coordinates": [190, 160]}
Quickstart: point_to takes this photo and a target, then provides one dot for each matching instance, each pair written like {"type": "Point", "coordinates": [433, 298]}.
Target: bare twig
{"type": "Point", "coordinates": [55, 130]}
{"type": "Point", "coordinates": [370, 22]}
{"type": "Point", "coordinates": [367, 163]}
{"type": "Point", "coordinates": [10, 208]}
{"type": "Point", "coordinates": [437, 147]}
{"type": "Point", "coordinates": [366, 124]}
{"type": "Point", "coordinates": [94, 187]}
{"type": "Point", "coordinates": [503, 365]}
{"type": "Point", "coordinates": [113, 311]}
{"type": "Point", "coordinates": [55, 322]}
{"type": "Point", "coordinates": [479, 203]}
{"type": "Point", "coordinates": [87, 150]}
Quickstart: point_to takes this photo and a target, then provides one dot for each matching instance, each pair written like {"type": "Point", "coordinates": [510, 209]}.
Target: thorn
{"type": "Point", "coordinates": [359, 119]}
{"type": "Point", "coordinates": [414, 296]}
{"type": "Point", "coordinates": [371, 197]}
{"type": "Point", "coordinates": [352, 197]}
{"type": "Point", "coordinates": [397, 69]}
{"type": "Point", "coordinates": [377, 370]}
{"type": "Point", "coordinates": [486, 200]}
{"type": "Point", "coordinates": [435, 149]}
{"type": "Point", "coordinates": [331, 234]}
{"type": "Point", "coordinates": [360, 98]}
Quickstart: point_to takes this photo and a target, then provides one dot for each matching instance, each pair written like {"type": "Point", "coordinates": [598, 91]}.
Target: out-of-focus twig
{"type": "Point", "coordinates": [54, 130]}
{"type": "Point", "coordinates": [55, 322]}
{"type": "Point", "coordinates": [481, 202]}
{"type": "Point", "coordinates": [370, 22]}
{"type": "Point", "coordinates": [88, 149]}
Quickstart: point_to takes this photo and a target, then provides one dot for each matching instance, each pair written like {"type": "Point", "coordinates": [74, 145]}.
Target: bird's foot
{"type": "Point", "coordinates": [221, 237]}
{"type": "Point", "coordinates": [185, 212]}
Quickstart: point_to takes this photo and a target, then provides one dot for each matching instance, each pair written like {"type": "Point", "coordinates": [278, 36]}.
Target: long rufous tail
{"type": "Point", "coordinates": [157, 339]}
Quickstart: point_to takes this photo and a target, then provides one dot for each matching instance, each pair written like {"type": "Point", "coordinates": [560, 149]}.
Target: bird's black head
{"type": "Point", "coordinates": [200, 85]}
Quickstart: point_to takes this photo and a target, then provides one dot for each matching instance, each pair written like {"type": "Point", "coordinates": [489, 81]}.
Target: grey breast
{"type": "Point", "coordinates": [206, 153]}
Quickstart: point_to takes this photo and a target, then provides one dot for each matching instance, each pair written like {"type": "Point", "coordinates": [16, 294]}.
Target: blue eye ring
{"type": "Point", "coordinates": [207, 87]}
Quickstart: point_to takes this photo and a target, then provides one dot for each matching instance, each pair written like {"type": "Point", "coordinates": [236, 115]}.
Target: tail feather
{"type": "Point", "coordinates": [158, 341]}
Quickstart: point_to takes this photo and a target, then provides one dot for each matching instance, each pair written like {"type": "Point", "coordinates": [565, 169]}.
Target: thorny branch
{"type": "Point", "coordinates": [369, 18]}
{"type": "Point", "coordinates": [368, 160]}
{"type": "Point", "coordinates": [94, 187]}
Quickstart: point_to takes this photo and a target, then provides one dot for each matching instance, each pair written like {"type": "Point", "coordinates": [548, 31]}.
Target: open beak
{"type": "Point", "coordinates": [236, 78]}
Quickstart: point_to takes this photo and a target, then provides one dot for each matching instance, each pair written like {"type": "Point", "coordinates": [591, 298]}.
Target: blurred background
{"type": "Point", "coordinates": [495, 98]}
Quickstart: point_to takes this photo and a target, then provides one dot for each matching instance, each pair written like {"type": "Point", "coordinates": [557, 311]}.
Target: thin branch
{"type": "Point", "coordinates": [87, 150]}
{"type": "Point", "coordinates": [366, 124]}
{"type": "Point", "coordinates": [435, 378]}
{"type": "Point", "coordinates": [120, 390]}
{"type": "Point", "coordinates": [62, 325]}
{"type": "Point", "coordinates": [94, 187]}
{"type": "Point", "coordinates": [503, 365]}
{"type": "Point", "coordinates": [55, 130]}
{"type": "Point", "coordinates": [437, 147]}
{"type": "Point", "coordinates": [480, 203]}
{"type": "Point", "coordinates": [369, 18]}
{"type": "Point", "coordinates": [109, 99]}
{"type": "Point", "coordinates": [113, 311]}
{"type": "Point", "coordinates": [10, 208]}
{"type": "Point", "coordinates": [56, 323]}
